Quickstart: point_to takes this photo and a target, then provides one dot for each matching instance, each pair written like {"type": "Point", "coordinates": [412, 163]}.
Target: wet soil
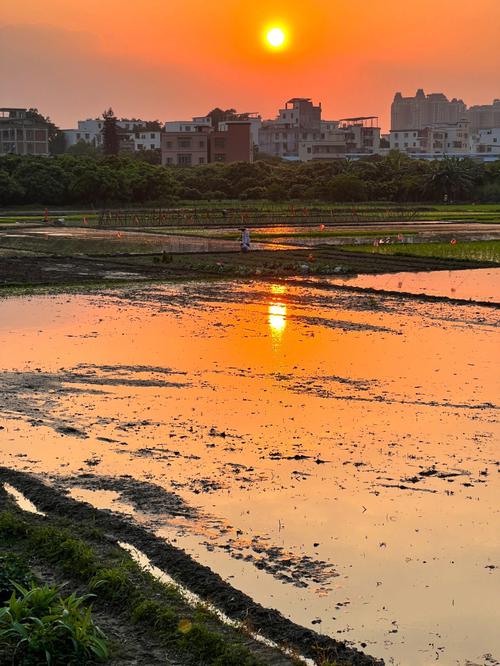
{"type": "Point", "coordinates": [192, 575]}
{"type": "Point", "coordinates": [69, 270]}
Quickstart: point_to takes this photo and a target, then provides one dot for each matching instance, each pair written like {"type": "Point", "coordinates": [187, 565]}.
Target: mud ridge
{"type": "Point", "coordinates": [196, 577]}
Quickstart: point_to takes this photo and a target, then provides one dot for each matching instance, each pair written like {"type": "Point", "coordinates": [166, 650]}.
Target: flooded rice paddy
{"type": "Point", "coordinates": [478, 285]}
{"type": "Point", "coordinates": [332, 454]}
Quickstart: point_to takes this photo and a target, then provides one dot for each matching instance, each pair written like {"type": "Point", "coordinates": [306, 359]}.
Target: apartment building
{"type": "Point", "coordinates": [188, 125]}
{"type": "Point", "coordinates": [485, 116]}
{"type": "Point", "coordinates": [423, 111]}
{"type": "Point", "coordinates": [21, 134]}
{"type": "Point", "coordinates": [348, 137]}
{"type": "Point", "coordinates": [299, 119]}
{"type": "Point", "coordinates": [201, 144]}
{"type": "Point", "coordinates": [134, 134]}
{"type": "Point", "coordinates": [486, 142]}
{"type": "Point", "coordinates": [436, 141]}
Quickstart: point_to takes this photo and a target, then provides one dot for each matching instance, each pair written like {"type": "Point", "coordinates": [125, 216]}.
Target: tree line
{"type": "Point", "coordinates": [119, 180]}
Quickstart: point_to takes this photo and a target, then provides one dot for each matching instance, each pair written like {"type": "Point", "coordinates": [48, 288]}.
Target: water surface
{"type": "Point", "coordinates": [338, 452]}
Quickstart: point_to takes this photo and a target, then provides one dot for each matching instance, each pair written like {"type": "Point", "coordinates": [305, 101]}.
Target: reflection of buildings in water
{"type": "Point", "coordinates": [277, 318]}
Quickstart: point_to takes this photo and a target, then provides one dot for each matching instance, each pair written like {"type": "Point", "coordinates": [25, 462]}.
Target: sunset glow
{"type": "Point", "coordinates": [184, 62]}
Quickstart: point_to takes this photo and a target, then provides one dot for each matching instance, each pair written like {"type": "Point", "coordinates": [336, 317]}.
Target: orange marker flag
{"type": "Point", "coordinates": [321, 227]}
{"type": "Point", "coordinates": [453, 241]}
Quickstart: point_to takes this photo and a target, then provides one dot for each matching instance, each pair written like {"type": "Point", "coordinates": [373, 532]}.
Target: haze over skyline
{"type": "Point", "coordinates": [181, 58]}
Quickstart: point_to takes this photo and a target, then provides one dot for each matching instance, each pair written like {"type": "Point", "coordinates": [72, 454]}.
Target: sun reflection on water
{"type": "Point", "coordinates": [277, 318]}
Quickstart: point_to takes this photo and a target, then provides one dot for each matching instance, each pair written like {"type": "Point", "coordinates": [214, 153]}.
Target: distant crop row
{"type": "Point", "coordinates": [80, 180]}
{"type": "Point", "coordinates": [475, 250]}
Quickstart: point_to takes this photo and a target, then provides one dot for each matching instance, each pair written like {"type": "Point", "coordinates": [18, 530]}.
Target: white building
{"type": "Point", "coordinates": [436, 141]}
{"type": "Point", "coordinates": [188, 125]}
{"type": "Point", "coordinates": [486, 142]}
{"type": "Point", "coordinates": [133, 132]}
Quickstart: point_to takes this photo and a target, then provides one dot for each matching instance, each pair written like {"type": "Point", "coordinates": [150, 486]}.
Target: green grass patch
{"type": "Point", "coordinates": [113, 581]}
{"type": "Point", "coordinates": [488, 251]}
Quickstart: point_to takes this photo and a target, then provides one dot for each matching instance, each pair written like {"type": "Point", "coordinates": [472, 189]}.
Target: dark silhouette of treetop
{"type": "Point", "coordinates": [110, 136]}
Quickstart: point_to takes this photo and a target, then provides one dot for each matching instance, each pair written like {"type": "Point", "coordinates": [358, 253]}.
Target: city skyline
{"type": "Point", "coordinates": [177, 60]}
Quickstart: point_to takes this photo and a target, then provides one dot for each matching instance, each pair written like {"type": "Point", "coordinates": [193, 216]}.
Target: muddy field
{"type": "Point", "coordinates": [331, 453]}
{"type": "Point", "coordinates": [31, 256]}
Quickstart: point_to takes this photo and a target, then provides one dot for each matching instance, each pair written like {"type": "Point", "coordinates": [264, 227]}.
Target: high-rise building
{"type": "Point", "coordinates": [485, 116]}
{"type": "Point", "coordinates": [423, 110]}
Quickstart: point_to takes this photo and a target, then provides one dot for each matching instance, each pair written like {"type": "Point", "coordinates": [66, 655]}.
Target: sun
{"type": "Point", "coordinates": [276, 37]}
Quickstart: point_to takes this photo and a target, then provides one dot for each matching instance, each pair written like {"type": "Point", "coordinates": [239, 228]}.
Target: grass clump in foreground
{"type": "Point", "coordinates": [465, 250]}
{"type": "Point", "coordinates": [41, 626]}
{"type": "Point", "coordinates": [38, 625]}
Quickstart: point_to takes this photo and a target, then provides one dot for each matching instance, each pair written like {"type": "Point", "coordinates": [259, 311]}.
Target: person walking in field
{"type": "Point", "coordinates": [245, 240]}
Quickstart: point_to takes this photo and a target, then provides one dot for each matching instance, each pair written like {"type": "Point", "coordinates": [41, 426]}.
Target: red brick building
{"type": "Point", "coordinates": [203, 145]}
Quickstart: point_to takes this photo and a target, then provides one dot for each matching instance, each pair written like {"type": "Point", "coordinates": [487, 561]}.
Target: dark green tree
{"type": "Point", "coordinates": [57, 142]}
{"type": "Point", "coordinates": [110, 136]}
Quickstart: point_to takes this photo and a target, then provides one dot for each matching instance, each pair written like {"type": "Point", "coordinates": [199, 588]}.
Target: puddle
{"type": "Point", "coordinates": [482, 284]}
{"type": "Point", "coordinates": [194, 600]}
{"type": "Point", "coordinates": [332, 454]}
{"type": "Point", "coordinates": [22, 502]}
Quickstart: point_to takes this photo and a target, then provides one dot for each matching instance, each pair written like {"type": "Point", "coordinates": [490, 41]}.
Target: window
{"type": "Point", "coordinates": [202, 144]}
{"type": "Point", "coordinates": [151, 136]}
{"type": "Point", "coordinates": [168, 144]}
{"type": "Point", "coordinates": [220, 157]}
{"type": "Point", "coordinates": [168, 160]}
{"type": "Point", "coordinates": [184, 159]}
{"type": "Point", "coordinates": [219, 142]}
{"type": "Point", "coordinates": [152, 146]}
{"type": "Point", "coordinates": [201, 160]}
{"type": "Point", "coordinates": [184, 143]}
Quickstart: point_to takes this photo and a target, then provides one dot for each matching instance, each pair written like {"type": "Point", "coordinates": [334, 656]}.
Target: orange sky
{"type": "Point", "coordinates": [171, 59]}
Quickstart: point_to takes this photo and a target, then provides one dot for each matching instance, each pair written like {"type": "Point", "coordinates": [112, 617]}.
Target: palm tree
{"type": "Point", "coordinates": [451, 178]}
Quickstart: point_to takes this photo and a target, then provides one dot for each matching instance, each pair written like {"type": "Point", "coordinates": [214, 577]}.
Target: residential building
{"type": "Point", "coordinates": [188, 125]}
{"type": "Point", "coordinates": [134, 134]}
{"type": "Point", "coordinates": [486, 116]}
{"type": "Point", "coordinates": [348, 138]}
{"type": "Point", "coordinates": [186, 147]}
{"type": "Point", "coordinates": [299, 119]}
{"type": "Point", "coordinates": [232, 144]}
{"type": "Point", "coordinates": [255, 121]}
{"type": "Point", "coordinates": [201, 144]}
{"type": "Point", "coordinates": [433, 141]}
{"type": "Point", "coordinates": [146, 140]}
{"type": "Point", "coordinates": [486, 142]}
{"type": "Point", "coordinates": [22, 134]}
{"type": "Point", "coordinates": [423, 111]}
